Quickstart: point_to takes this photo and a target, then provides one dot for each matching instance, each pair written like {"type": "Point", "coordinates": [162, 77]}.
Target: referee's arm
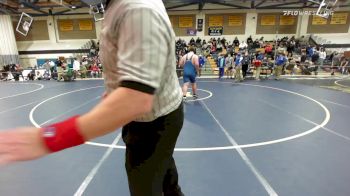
{"type": "Point", "coordinates": [120, 107]}
{"type": "Point", "coordinates": [140, 66]}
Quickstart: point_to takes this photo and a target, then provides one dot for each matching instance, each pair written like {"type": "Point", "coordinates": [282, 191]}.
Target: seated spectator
{"type": "Point", "coordinates": [47, 75]}
{"type": "Point", "coordinates": [256, 44]}
{"type": "Point", "coordinates": [83, 71]}
{"type": "Point", "coordinates": [310, 51]}
{"type": "Point", "coordinates": [68, 74]}
{"type": "Point", "coordinates": [31, 75]}
{"type": "Point", "coordinates": [94, 71]}
{"type": "Point", "coordinates": [249, 40]}
{"type": "Point", "coordinates": [243, 46]}
{"type": "Point", "coordinates": [17, 72]}
{"type": "Point", "coordinates": [39, 76]}
{"type": "Point", "coordinates": [291, 66]}
{"type": "Point", "coordinates": [303, 57]}
{"type": "Point", "coordinates": [268, 50]}
{"type": "Point", "coordinates": [236, 42]}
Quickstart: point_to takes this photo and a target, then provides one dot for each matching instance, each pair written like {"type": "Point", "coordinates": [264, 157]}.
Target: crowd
{"type": "Point", "coordinates": [281, 56]}
{"type": "Point", "coordinates": [286, 55]}
{"type": "Point", "coordinates": [59, 69]}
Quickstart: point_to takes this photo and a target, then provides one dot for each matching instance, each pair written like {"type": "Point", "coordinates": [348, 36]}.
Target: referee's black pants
{"type": "Point", "coordinates": [149, 162]}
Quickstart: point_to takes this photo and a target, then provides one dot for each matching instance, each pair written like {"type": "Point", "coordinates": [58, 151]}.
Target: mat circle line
{"type": "Point", "coordinates": [325, 121]}
{"type": "Point", "coordinates": [202, 98]}
{"type": "Point", "coordinates": [337, 82]}
{"type": "Point", "coordinates": [15, 95]}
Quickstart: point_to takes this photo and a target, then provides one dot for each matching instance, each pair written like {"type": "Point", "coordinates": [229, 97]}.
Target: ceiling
{"type": "Point", "coordinates": [69, 7]}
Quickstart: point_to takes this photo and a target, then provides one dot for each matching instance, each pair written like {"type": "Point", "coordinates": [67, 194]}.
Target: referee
{"type": "Point", "coordinates": [143, 96]}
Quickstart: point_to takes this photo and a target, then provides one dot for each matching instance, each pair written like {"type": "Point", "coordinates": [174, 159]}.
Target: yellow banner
{"type": "Point", "coordinates": [235, 21]}
{"type": "Point", "coordinates": [287, 20]}
{"type": "Point", "coordinates": [317, 20]}
{"type": "Point", "coordinates": [216, 21]}
{"type": "Point", "coordinates": [339, 18]}
{"type": "Point", "coordinates": [66, 25]}
{"type": "Point", "coordinates": [268, 20]}
{"type": "Point", "coordinates": [172, 20]}
{"type": "Point", "coordinates": [85, 25]}
{"type": "Point", "coordinates": [185, 21]}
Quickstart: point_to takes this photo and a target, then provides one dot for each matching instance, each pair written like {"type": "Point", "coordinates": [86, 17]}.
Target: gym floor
{"type": "Point", "coordinates": [288, 137]}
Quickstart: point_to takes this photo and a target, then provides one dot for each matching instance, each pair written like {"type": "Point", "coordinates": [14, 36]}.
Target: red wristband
{"type": "Point", "coordinates": [62, 135]}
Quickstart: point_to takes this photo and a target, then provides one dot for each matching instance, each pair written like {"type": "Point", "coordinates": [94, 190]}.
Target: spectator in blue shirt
{"type": "Point", "coordinates": [221, 65]}
{"type": "Point", "coordinates": [280, 62]}
{"type": "Point", "coordinates": [201, 64]}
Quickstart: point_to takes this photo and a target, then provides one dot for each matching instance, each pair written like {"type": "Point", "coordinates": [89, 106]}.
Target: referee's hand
{"type": "Point", "coordinates": [21, 144]}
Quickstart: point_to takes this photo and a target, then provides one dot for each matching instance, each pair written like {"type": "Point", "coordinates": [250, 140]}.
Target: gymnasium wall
{"type": "Point", "coordinates": [48, 33]}
{"type": "Point", "coordinates": [286, 26]}
{"type": "Point", "coordinates": [338, 23]}
{"type": "Point", "coordinates": [183, 23]}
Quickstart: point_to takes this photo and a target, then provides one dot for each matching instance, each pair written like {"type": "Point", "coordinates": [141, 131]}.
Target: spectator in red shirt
{"type": "Point", "coordinates": [94, 70]}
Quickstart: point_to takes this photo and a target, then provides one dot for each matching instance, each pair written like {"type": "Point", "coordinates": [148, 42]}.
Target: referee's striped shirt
{"type": "Point", "coordinates": [138, 51]}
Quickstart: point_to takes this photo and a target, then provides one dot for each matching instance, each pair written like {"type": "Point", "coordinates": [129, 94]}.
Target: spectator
{"type": "Point", "coordinates": [31, 74]}
{"type": "Point", "coordinates": [268, 49]}
{"type": "Point", "coordinates": [76, 67]}
{"type": "Point", "coordinates": [17, 72]}
{"type": "Point", "coordinates": [322, 55]}
{"type": "Point", "coordinates": [344, 66]}
{"type": "Point", "coordinates": [68, 74]}
{"type": "Point", "coordinates": [256, 44]}
{"type": "Point", "coordinates": [314, 59]}
{"type": "Point", "coordinates": [47, 65]}
{"type": "Point", "coordinates": [221, 65]}
{"type": "Point", "coordinates": [52, 66]}
{"type": "Point", "coordinates": [249, 40]}
{"type": "Point", "coordinates": [236, 42]}
{"type": "Point", "coordinates": [39, 76]}
{"type": "Point", "coordinates": [245, 64]}
{"type": "Point", "coordinates": [201, 64]}
{"type": "Point", "coordinates": [280, 62]}
{"type": "Point", "coordinates": [238, 67]}
{"type": "Point", "coordinates": [60, 68]}
{"type": "Point", "coordinates": [290, 48]}
{"type": "Point", "coordinates": [94, 71]}
{"type": "Point", "coordinates": [335, 61]}
{"type": "Point", "coordinates": [83, 71]}
{"type": "Point", "coordinates": [309, 51]}
{"type": "Point", "coordinates": [229, 64]}
{"type": "Point", "coordinates": [258, 64]}
{"type": "Point", "coordinates": [243, 46]}
{"type": "Point", "coordinates": [213, 47]}
{"type": "Point", "coordinates": [303, 57]}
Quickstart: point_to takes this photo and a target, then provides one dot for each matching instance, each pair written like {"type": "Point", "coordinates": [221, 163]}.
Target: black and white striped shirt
{"type": "Point", "coordinates": [138, 48]}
